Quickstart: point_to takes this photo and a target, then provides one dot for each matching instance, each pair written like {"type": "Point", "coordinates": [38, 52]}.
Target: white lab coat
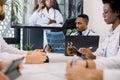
{"type": "Point", "coordinates": [108, 54]}
{"type": "Point", "coordinates": [42, 16]}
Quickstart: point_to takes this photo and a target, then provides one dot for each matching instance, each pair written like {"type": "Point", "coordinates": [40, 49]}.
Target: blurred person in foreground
{"type": "Point", "coordinates": [8, 53]}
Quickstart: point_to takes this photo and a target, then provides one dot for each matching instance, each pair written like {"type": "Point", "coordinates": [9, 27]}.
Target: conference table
{"type": "Point", "coordinates": [54, 70]}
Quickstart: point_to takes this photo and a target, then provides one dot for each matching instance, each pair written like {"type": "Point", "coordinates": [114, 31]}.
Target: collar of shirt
{"type": "Point", "coordinates": [51, 10]}
{"type": "Point", "coordinates": [85, 32]}
{"type": "Point", "coordinates": [117, 29]}
{"type": "Point", "coordinates": [49, 14]}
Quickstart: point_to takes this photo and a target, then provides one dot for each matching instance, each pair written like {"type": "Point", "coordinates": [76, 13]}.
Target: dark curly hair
{"type": "Point", "coordinates": [114, 4]}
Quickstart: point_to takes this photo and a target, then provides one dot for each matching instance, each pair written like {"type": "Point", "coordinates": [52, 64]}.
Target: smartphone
{"type": "Point", "coordinates": [74, 59]}
{"type": "Point", "coordinates": [13, 70]}
{"type": "Point", "coordinates": [47, 58]}
{"type": "Point", "coordinates": [44, 48]}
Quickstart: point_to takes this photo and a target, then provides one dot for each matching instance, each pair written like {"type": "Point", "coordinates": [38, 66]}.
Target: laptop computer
{"type": "Point", "coordinates": [82, 41]}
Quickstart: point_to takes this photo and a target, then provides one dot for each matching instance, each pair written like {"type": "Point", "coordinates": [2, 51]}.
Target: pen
{"type": "Point", "coordinates": [90, 47]}
{"type": "Point", "coordinates": [47, 58]}
{"type": "Point", "coordinates": [44, 48]}
{"type": "Point", "coordinates": [74, 59]}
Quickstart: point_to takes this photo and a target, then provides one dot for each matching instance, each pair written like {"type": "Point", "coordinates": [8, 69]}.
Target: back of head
{"type": "Point", "coordinates": [114, 4]}
{"type": "Point", "coordinates": [85, 17]}
{"type": "Point", "coordinates": [2, 2]}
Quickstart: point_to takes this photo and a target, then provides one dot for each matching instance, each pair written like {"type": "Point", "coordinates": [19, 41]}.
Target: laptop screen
{"type": "Point", "coordinates": [82, 41]}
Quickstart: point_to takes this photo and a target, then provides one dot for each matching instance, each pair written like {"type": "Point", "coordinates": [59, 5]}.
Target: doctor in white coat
{"type": "Point", "coordinates": [47, 12]}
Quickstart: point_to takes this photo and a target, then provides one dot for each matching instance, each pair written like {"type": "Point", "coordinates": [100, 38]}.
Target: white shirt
{"type": "Point", "coordinates": [87, 32]}
{"type": "Point", "coordinates": [113, 74]}
{"type": "Point", "coordinates": [42, 16]}
{"type": "Point", "coordinates": [108, 54]}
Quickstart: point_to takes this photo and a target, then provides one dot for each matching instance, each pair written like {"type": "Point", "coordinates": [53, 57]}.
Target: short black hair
{"type": "Point", "coordinates": [2, 2]}
{"type": "Point", "coordinates": [85, 17]}
{"type": "Point", "coordinates": [114, 4]}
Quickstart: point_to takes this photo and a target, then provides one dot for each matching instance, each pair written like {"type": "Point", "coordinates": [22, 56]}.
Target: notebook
{"type": "Point", "coordinates": [82, 41]}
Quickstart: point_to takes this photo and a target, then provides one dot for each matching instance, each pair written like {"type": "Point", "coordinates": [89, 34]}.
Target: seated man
{"type": "Point", "coordinates": [36, 56]}
{"type": "Point", "coordinates": [82, 26]}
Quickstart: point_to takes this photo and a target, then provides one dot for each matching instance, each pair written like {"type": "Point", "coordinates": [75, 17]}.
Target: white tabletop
{"type": "Point", "coordinates": [54, 70]}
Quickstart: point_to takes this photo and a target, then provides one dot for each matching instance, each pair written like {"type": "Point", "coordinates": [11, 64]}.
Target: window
{"type": "Point", "coordinates": [11, 35]}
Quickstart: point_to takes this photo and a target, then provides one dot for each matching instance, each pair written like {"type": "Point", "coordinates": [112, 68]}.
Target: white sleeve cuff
{"type": "Point", "coordinates": [111, 74]}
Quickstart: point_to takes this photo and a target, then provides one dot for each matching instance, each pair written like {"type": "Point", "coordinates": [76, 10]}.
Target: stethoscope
{"type": "Point", "coordinates": [88, 32]}
{"type": "Point", "coordinates": [43, 15]}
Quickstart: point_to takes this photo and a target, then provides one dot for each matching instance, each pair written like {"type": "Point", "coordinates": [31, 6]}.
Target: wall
{"type": "Point", "coordinates": [94, 9]}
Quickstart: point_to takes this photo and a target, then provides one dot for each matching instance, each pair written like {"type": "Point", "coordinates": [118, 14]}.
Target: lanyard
{"type": "Point", "coordinates": [88, 32]}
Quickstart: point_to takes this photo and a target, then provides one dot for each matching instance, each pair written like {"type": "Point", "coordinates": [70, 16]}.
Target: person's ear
{"type": "Point", "coordinates": [117, 13]}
